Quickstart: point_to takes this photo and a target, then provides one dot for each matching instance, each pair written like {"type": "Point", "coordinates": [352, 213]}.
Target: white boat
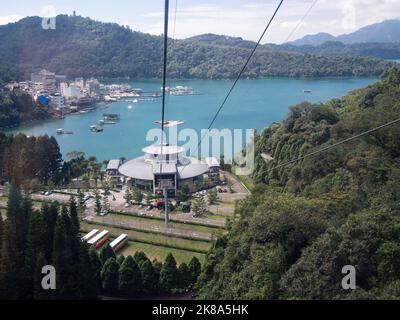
{"type": "Point", "coordinates": [60, 131]}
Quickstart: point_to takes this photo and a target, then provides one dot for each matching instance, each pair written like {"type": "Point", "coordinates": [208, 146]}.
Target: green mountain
{"type": "Point", "coordinates": [305, 221]}
{"type": "Point", "coordinates": [84, 47]}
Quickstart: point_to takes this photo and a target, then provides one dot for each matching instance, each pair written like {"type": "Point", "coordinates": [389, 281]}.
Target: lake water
{"type": "Point", "coordinates": [253, 104]}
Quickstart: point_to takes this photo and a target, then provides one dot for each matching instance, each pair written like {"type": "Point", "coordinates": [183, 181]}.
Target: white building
{"type": "Point", "coordinates": [71, 91]}
{"type": "Point", "coordinates": [164, 166]}
{"type": "Point", "coordinates": [57, 100]}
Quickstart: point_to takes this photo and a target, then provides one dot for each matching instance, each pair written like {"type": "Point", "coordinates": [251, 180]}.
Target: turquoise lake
{"type": "Point", "coordinates": [253, 104]}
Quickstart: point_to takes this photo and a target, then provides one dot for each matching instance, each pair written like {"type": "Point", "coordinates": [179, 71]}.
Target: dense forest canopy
{"type": "Point", "coordinates": [17, 106]}
{"type": "Point", "coordinates": [306, 221]}
{"type": "Point", "coordinates": [84, 47]}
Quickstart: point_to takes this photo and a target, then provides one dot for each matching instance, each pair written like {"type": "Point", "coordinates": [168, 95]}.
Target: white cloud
{"type": "Point", "coordinates": [10, 18]}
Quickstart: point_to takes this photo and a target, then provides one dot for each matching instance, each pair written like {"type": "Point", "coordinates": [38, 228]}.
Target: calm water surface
{"type": "Point", "coordinates": [253, 104]}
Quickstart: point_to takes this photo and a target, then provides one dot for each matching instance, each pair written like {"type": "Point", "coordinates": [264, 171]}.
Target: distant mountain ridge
{"type": "Point", "coordinates": [383, 32]}
{"type": "Point", "coordinates": [84, 47]}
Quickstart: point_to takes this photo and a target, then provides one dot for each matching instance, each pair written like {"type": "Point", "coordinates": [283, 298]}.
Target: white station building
{"type": "Point", "coordinates": [166, 163]}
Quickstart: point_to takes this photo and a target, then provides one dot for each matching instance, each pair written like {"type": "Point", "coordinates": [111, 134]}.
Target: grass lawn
{"type": "Point", "coordinates": [160, 253]}
{"type": "Point", "coordinates": [174, 224]}
{"type": "Point", "coordinates": [152, 238]}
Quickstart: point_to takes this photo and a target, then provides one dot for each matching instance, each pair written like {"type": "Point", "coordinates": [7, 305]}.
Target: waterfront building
{"type": "Point", "coordinates": [213, 169]}
{"type": "Point", "coordinates": [71, 91]}
{"type": "Point", "coordinates": [112, 172]}
{"type": "Point", "coordinates": [166, 163]}
{"type": "Point", "coordinates": [57, 101]}
{"type": "Point", "coordinates": [93, 87]}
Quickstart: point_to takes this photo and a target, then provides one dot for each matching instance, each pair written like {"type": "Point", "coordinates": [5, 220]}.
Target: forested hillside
{"type": "Point", "coordinates": [307, 220]}
{"type": "Point", "coordinates": [17, 106]}
{"type": "Point", "coordinates": [84, 47]}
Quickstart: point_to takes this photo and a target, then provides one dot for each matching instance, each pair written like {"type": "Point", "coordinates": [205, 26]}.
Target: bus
{"type": "Point", "coordinates": [98, 240]}
{"type": "Point", "coordinates": [89, 235]}
{"type": "Point", "coordinates": [118, 243]}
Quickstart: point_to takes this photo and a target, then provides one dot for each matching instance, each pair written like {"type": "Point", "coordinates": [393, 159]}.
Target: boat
{"type": "Point", "coordinates": [104, 121]}
{"type": "Point", "coordinates": [307, 91]}
{"type": "Point", "coordinates": [170, 123]}
{"type": "Point", "coordinates": [111, 116]}
{"type": "Point", "coordinates": [60, 131]}
{"type": "Point", "coordinates": [94, 128]}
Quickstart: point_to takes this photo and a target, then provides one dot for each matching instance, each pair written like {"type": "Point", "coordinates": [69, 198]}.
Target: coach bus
{"type": "Point", "coordinates": [118, 243]}
{"type": "Point", "coordinates": [89, 235]}
{"type": "Point", "coordinates": [98, 240]}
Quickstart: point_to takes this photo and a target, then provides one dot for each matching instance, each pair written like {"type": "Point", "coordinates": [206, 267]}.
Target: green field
{"type": "Point", "coordinates": [159, 253]}
{"type": "Point", "coordinates": [174, 224]}
{"type": "Point", "coordinates": [153, 238]}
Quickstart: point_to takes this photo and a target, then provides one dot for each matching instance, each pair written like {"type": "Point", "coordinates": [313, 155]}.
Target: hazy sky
{"type": "Point", "coordinates": [244, 18]}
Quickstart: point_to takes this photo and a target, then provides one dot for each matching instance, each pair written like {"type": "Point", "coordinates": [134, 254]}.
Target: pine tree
{"type": "Point", "coordinates": [195, 269]}
{"type": "Point", "coordinates": [8, 281]}
{"type": "Point", "coordinates": [61, 257]}
{"type": "Point", "coordinates": [128, 196]}
{"type": "Point", "coordinates": [120, 259]}
{"type": "Point", "coordinates": [106, 253]}
{"type": "Point", "coordinates": [169, 274]}
{"type": "Point", "coordinates": [97, 202]}
{"type": "Point", "coordinates": [95, 267]}
{"type": "Point", "coordinates": [73, 211]}
{"type": "Point", "coordinates": [87, 280]}
{"type": "Point", "coordinates": [110, 276]}
{"type": "Point", "coordinates": [150, 279]}
{"type": "Point", "coordinates": [130, 278]}
{"type": "Point", "coordinates": [184, 276]}
{"type": "Point", "coordinates": [140, 257]}
{"type": "Point", "coordinates": [33, 249]}
{"type": "Point", "coordinates": [81, 201]}
{"type": "Point", "coordinates": [38, 292]}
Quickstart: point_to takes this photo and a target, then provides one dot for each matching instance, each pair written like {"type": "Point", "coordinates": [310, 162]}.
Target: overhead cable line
{"type": "Point", "coordinates": [301, 21]}
{"type": "Point", "coordinates": [387, 124]}
{"type": "Point", "coordinates": [239, 75]}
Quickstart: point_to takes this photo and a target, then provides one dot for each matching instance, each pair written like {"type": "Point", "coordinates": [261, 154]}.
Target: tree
{"type": "Point", "coordinates": [184, 193]}
{"type": "Point", "coordinates": [38, 292]}
{"type": "Point", "coordinates": [109, 276]}
{"type": "Point", "coordinates": [81, 199]}
{"type": "Point", "coordinates": [128, 196]}
{"type": "Point", "coordinates": [106, 253]}
{"type": "Point", "coordinates": [97, 202]}
{"type": "Point", "coordinates": [120, 259]}
{"type": "Point", "coordinates": [199, 207]}
{"type": "Point", "coordinates": [195, 269]}
{"type": "Point", "coordinates": [184, 276]}
{"type": "Point", "coordinates": [169, 274]}
{"type": "Point", "coordinates": [95, 267]}
{"type": "Point", "coordinates": [150, 279]}
{"type": "Point", "coordinates": [212, 196]}
{"type": "Point", "coordinates": [73, 211]}
{"type": "Point", "coordinates": [140, 257]}
{"type": "Point", "coordinates": [130, 279]}
{"type": "Point", "coordinates": [137, 195]}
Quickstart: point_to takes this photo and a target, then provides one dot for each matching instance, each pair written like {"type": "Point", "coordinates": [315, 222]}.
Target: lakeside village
{"type": "Point", "coordinates": [63, 96]}
{"type": "Point", "coordinates": [126, 207]}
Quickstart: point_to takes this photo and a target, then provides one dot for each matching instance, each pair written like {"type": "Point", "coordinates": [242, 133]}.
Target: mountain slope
{"type": "Point", "coordinates": [386, 31]}
{"type": "Point", "coordinates": [305, 221]}
{"type": "Point", "coordinates": [84, 47]}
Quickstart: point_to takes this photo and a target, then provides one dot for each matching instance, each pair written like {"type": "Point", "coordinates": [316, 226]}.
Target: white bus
{"type": "Point", "coordinates": [118, 243]}
{"type": "Point", "coordinates": [89, 235]}
{"type": "Point", "coordinates": [99, 239]}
